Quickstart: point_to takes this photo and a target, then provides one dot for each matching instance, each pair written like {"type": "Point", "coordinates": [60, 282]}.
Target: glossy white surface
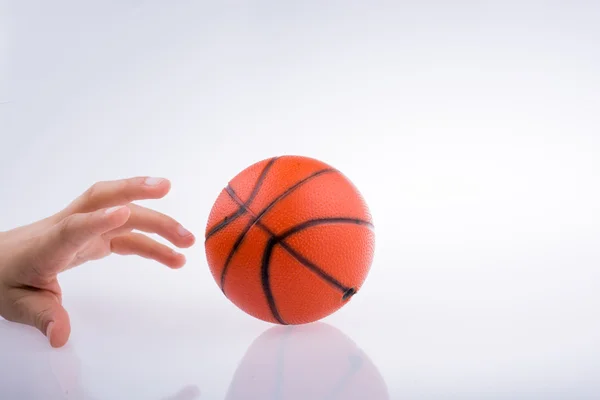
{"type": "Point", "coordinates": [471, 129]}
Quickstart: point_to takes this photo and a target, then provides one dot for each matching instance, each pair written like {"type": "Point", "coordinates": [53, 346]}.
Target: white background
{"type": "Point", "coordinates": [471, 128]}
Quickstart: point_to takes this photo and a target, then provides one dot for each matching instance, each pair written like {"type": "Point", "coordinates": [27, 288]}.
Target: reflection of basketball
{"type": "Point", "coordinates": [290, 240]}
{"type": "Point", "coordinates": [313, 361]}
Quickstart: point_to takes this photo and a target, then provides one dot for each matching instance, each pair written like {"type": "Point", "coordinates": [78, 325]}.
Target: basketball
{"type": "Point", "coordinates": [290, 240]}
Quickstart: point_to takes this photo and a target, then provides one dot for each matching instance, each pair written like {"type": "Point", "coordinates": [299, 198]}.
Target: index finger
{"type": "Point", "coordinates": [111, 193]}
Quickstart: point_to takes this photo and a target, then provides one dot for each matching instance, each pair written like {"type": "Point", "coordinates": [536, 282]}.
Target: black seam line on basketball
{"type": "Point", "coordinates": [324, 221]}
{"type": "Point", "coordinates": [313, 267]}
{"type": "Point", "coordinates": [244, 205]}
{"type": "Point", "coordinates": [283, 195]}
{"type": "Point", "coordinates": [280, 240]}
{"type": "Point", "coordinates": [228, 219]}
{"type": "Point", "coordinates": [239, 201]}
{"type": "Point", "coordinates": [266, 283]}
{"type": "Point", "coordinates": [277, 240]}
{"type": "Point", "coordinates": [305, 262]}
{"type": "Point", "coordinates": [257, 218]}
{"type": "Point", "coordinates": [260, 181]}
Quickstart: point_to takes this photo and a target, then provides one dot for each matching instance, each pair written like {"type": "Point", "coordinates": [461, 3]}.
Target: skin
{"type": "Point", "coordinates": [101, 221]}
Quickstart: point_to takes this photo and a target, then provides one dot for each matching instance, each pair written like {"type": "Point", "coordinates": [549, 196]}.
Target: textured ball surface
{"type": "Point", "coordinates": [290, 240]}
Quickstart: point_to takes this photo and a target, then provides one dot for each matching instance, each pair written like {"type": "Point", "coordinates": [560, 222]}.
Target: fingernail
{"type": "Point", "coordinates": [153, 181]}
{"type": "Point", "coordinates": [182, 231]}
{"type": "Point", "coordinates": [113, 209]}
{"type": "Point", "coordinates": [49, 329]}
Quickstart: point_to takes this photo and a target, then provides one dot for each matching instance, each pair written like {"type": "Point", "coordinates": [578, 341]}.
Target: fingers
{"type": "Point", "coordinates": [77, 229]}
{"type": "Point", "coordinates": [57, 248]}
{"type": "Point", "coordinates": [111, 193]}
{"type": "Point", "coordinates": [42, 311]}
{"type": "Point", "coordinates": [143, 246]}
{"type": "Point", "coordinates": [150, 221]}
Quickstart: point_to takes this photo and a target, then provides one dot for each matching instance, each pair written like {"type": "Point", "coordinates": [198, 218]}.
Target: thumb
{"type": "Point", "coordinates": [44, 312]}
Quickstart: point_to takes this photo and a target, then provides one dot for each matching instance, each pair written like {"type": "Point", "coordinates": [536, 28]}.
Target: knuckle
{"type": "Point", "coordinates": [119, 246]}
{"type": "Point", "coordinates": [40, 265]}
{"type": "Point", "coordinates": [41, 317]}
{"type": "Point", "coordinates": [163, 218]}
{"type": "Point", "coordinates": [69, 231]}
{"type": "Point", "coordinates": [92, 192]}
{"type": "Point", "coordinates": [128, 189]}
{"type": "Point", "coordinates": [125, 189]}
{"type": "Point", "coordinates": [65, 228]}
{"type": "Point", "coordinates": [19, 310]}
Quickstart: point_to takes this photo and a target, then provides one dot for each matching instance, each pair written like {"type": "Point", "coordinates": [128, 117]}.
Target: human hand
{"type": "Point", "coordinates": [99, 222]}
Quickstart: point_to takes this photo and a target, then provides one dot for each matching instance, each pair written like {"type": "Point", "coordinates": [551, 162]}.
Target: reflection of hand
{"type": "Point", "coordinates": [30, 370]}
{"type": "Point", "coordinates": [96, 224]}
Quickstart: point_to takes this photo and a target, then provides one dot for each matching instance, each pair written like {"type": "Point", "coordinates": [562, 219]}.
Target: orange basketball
{"type": "Point", "coordinates": [290, 240]}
